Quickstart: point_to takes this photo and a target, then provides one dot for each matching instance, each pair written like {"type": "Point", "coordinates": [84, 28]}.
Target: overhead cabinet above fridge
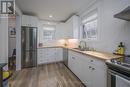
{"type": "Point", "coordinates": [124, 15]}
{"type": "Point", "coordinates": [30, 21]}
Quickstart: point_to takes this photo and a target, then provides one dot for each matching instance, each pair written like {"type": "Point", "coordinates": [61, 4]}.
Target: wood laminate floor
{"type": "Point", "coordinates": [49, 75]}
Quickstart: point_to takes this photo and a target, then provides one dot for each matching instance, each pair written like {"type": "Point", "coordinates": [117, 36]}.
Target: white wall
{"type": "Point", "coordinates": [18, 38]}
{"type": "Point", "coordinates": [111, 30]}
{"type": "Point", "coordinates": [3, 39]}
{"type": "Point", "coordinates": [11, 41]}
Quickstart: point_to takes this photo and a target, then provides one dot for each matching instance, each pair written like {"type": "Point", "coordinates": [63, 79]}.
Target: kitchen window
{"type": "Point", "coordinates": [90, 25]}
{"type": "Point", "coordinates": [48, 32]}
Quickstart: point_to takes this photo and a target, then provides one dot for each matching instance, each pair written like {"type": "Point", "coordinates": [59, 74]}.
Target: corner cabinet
{"type": "Point", "coordinates": [91, 71]}
{"type": "Point", "coordinates": [72, 27]}
{"type": "Point", "coordinates": [69, 29]}
{"type": "Point", "coordinates": [49, 55]}
{"type": "Point", "coordinates": [60, 32]}
{"type": "Point", "coordinates": [30, 21]}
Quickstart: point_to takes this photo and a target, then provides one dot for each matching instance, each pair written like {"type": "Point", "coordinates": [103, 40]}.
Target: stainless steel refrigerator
{"type": "Point", "coordinates": [29, 47]}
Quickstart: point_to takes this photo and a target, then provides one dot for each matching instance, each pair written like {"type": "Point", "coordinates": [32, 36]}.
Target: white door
{"type": "Point", "coordinates": [86, 77]}
{"type": "Point", "coordinates": [25, 20]}
{"type": "Point", "coordinates": [71, 62]}
{"type": "Point", "coordinates": [77, 68]}
{"type": "Point", "coordinates": [99, 76]}
{"type": "Point", "coordinates": [78, 65]}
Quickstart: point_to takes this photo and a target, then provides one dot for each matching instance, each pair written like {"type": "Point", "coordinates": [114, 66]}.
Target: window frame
{"type": "Point", "coordinates": [88, 18]}
{"type": "Point", "coordinates": [52, 31]}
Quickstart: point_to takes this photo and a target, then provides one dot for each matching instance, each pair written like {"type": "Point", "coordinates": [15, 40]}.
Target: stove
{"type": "Point", "coordinates": [118, 72]}
{"type": "Point", "coordinates": [122, 67]}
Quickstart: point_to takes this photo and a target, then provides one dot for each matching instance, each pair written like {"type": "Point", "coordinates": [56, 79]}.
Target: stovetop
{"type": "Point", "coordinates": [122, 67]}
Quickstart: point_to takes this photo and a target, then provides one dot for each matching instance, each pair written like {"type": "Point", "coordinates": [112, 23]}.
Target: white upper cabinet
{"type": "Point", "coordinates": [61, 32]}
{"type": "Point", "coordinates": [68, 30]}
{"type": "Point", "coordinates": [72, 27]}
{"type": "Point", "coordinates": [30, 21]}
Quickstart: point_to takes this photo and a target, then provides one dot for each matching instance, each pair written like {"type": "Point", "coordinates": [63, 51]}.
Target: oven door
{"type": "Point", "coordinates": [116, 79]}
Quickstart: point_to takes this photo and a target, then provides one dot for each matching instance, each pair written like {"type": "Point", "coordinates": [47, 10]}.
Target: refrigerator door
{"type": "Point", "coordinates": [29, 46]}
{"type": "Point", "coordinates": [29, 59]}
{"type": "Point", "coordinates": [29, 38]}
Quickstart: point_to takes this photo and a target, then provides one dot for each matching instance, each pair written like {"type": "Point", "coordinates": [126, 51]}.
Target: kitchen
{"type": "Point", "coordinates": [75, 43]}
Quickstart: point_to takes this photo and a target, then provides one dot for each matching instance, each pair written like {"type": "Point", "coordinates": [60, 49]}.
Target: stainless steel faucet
{"type": "Point", "coordinates": [82, 45]}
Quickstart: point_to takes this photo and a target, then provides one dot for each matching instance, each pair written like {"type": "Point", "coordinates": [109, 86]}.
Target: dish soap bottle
{"type": "Point", "coordinates": [121, 50]}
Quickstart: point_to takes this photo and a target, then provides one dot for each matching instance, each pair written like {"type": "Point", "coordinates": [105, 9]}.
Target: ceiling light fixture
{"type": "Point", "coordinates": [50, 16]}
{"type": "Point", "coordinates": [48, 23]}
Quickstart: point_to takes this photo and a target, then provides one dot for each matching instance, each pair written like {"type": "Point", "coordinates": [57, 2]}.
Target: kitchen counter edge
{"type": "Point", "coordinates": [100, 55]}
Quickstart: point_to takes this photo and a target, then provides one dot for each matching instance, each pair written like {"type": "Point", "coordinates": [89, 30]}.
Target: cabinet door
{"type": "Point", "coordinates": [86, 72]}
{"type": "Point", "coordinates": [60, 32]}
{"type": "Point", "coordinates": [76, 63]}
{"type": "Point", "coordinates": [50, 55]}
{"type": "Point", "coordinates": [75, 27]}
{"type": "Point", "coordinates": [25, 20]}
{"type": "Point", "coordinates": [87, 76]}
{"type": "Point", "coordinates": [59, 54]}
{"type": "Point", "coordinates": [41, 57]}
{"type": "Point", "coordinates": [72, 27]}
{"type": "Point", "coordinates": [99, 72]}
{"type": "Point", "coordinates": [30, 21]}
{"type": "Point", "coordinates": [71, 62]}
{"type": "Point", "coordinates": [33, 21]}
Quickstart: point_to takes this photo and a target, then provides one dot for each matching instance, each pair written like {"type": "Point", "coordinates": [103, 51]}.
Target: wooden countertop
{"type": "Point", "coordinates": [100, 55]}
{"type": "Point", "coordinates": [49, 47]}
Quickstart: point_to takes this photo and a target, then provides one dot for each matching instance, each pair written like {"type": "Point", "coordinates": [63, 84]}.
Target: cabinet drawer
{"type": "Point", "coordinates": [97, 62]}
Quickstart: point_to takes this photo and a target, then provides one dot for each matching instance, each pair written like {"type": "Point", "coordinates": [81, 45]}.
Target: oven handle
{"type": "Point", "coordinates": [111, 73]}
{"type": "Point", "coordinates": [114, 73]}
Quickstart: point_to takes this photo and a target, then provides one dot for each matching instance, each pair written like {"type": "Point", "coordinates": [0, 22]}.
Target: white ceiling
{"type": "Point", "coordinates": [60, 9]}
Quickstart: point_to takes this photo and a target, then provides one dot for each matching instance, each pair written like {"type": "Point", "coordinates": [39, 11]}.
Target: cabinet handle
{"type": "Point", "coordinates": [91, 60]}
{"type": "Point", "coordinates": [93, 68]}
{"type": "Point", "coordinates": [73, 58]}
{"type": "Point", "coordinates": [90, 67]}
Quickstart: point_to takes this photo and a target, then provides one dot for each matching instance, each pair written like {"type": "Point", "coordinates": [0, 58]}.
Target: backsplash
{"type": "Point", "coordinates": [72, 43]}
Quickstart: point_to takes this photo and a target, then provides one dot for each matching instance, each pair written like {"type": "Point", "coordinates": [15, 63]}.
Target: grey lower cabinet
{"type": "Point", "coordinates": [91, 71]}
{"type": "Point", "coordinates": [65, 56]}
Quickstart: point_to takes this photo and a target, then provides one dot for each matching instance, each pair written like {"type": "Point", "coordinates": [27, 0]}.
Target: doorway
{"type": "Point", "coordinates": [12, 43]}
